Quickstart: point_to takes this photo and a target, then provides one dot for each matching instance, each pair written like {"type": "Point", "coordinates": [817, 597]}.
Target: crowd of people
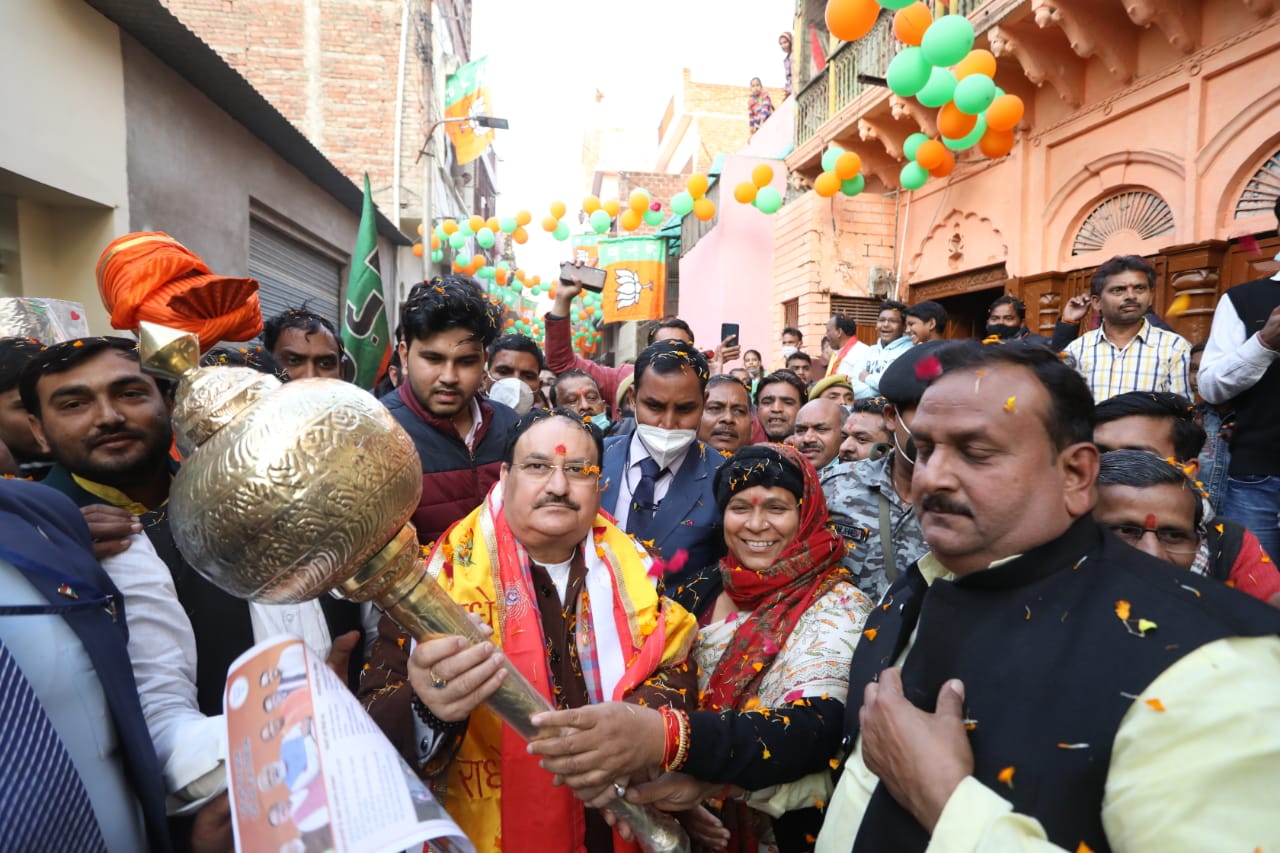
{"type": "Point", "coordinates": [918, 593]}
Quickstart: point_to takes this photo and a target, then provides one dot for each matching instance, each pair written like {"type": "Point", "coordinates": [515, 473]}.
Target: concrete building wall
{"type": "Point", "coordinates": [62, 150]}
{"type": "Point", "coordinates": [199, 175]}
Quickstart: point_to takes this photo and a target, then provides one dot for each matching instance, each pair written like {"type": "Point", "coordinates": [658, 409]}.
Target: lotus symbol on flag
{"type": "Point", "coordinates": [629, 287]}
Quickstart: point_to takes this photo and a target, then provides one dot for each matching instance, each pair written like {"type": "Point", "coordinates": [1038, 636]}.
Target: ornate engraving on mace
{"type": "Point", "coordinates": [289, 491]}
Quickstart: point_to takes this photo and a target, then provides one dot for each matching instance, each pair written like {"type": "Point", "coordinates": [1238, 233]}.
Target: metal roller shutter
{"type": "Point", "coordinates": [292, 274]}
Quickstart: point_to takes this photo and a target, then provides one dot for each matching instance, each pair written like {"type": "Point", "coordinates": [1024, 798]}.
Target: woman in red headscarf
{"type": "Point", "coordinates": [773, 670]}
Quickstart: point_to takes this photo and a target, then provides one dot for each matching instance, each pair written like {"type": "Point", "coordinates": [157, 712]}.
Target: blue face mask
{"type": "Point", "coordinates": [601, 422]}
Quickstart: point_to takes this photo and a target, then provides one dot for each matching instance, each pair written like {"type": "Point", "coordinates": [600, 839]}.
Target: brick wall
{"type": "Point", "coordinates": [332, 74]}
{"type": "Point", "coordinates": [811, 260]}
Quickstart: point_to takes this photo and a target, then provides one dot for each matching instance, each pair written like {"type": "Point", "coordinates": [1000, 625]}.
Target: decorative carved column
{"type": "Point", "coordinates": [1043, 293]}
{"type": "Point", "coordinates": [1194, 271]}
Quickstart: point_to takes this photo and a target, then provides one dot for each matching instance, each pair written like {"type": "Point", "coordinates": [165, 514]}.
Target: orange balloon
{"type": "Point", "coordinates": [745, 192]}
{"type": "Point", "coordinates": [590, 205]}
{"type": "Point", "coordinates": [549, 223]}
{"type": "Point", "coordinates": [638, 201]}
{"type": "Point", "coordinates": [492, 224]}
{"type": "Point", "coordinates": [762, 175]}
{"type": "Point", "coordinates": [946, 168]}
{"type": "Point", "coordinates": [909, 23]}
{"type": "Point", "coordinates": [848, 165]}
{"type": "Point", "coordinates": [476, 223]}
{"type": "Point", "coordinates": [524, 217]}
{"type": "Point", "coordinates": [697, 185]}
{"type": "Point", "coordinates": [850, 20]}
{"type": "Point", "coordinates": [478, 261]}
{"type": "Point", "coordinates": [954, 124]}
{"type": "Point", "coordinates": [449, 226]}
{"type": "Point", "coordinates": [931, 154]}
{"type": "Point", "coordinates": [1005, 112]}
{"type": "Point", "coordinates": [420, 229]}
{"type": "Point", "coordinates": [457, 265]}
{"type": "Point", "coordinates": [977, 62]}
{"type": "Point", "coordinates": [996, 143]}
{"type": "Point", "coordinates": [558, 209]}
{"type": "Point", "coordinates": [435, 241]}
{"type": "Point", "coordinates": [630, 220]}
{"type": "Point", "coordinates": [704, 208]}
{"type": "Point", "coordinates": [537, 279]}
{"type": "Point", "coordinates": [520, 235]}
{"type": "Point", "coordinates": [612, 207]}
{"type": "Point", "coordinates": [500, 275]}
{"type": "Point", "coordinates": [827, 184]}
{"type": "Point", "coordinates": [417, 250]}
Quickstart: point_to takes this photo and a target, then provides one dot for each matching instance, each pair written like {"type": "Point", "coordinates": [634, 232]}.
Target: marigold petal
{"type": "Point", "coordinates": [1155, 704]}
{"type": "Point", "coordinates": [1122, 609]}
{"type": "Point", "coordinates": [1006, 776]}
{"type": "Point", "coordinates": [870, 633]}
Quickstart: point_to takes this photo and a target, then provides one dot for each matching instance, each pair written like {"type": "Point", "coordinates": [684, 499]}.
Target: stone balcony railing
{"type": "Point", "coordinates": [837, 85]}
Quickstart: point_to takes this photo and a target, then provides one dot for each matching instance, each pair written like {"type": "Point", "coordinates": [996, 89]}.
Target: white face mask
{"type": "Point", "coordinates": [788, 351]}
{"type": "Point", "coordinates": [665, 445]}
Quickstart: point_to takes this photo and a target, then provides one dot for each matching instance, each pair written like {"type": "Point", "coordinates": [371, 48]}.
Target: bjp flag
{"type": "Point", "coordinates": [467, 94]}
{"type": "Point", "coordinates": [636, 287]}
{"type": "Point", "coordinates": [586, 249]}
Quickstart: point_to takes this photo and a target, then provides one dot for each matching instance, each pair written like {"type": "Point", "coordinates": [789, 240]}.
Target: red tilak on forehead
{"type": "Point", "coordinates": [755, 500]}
{"type": "Point", "coordinates": [560, 450]}
{"type": "Point", "coordinates": [1151, 521]}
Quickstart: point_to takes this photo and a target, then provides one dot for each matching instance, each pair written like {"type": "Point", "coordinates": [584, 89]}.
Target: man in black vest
{"type": "Point", "coordinates": [1241, 366]}
{"type": "Point", "coordinates": [1033, 679]}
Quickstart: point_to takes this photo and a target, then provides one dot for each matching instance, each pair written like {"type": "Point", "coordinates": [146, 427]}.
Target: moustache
{"type": "Point", "coordinates": [115, 435]}
{"type": "Point", "coordinates": [934, 502]}
{"type": "Point", "coordinates": [562, 500]}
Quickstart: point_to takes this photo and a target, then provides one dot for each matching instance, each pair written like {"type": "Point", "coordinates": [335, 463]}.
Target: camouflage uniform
{"type": "Point", "coordinates": [852, 490]}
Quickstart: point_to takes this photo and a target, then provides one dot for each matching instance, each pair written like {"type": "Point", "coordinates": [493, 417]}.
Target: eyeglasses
{"type": "Point", "coordinates": [575, 472]}
{"type": "Point", "coordinates": [1174, 539]}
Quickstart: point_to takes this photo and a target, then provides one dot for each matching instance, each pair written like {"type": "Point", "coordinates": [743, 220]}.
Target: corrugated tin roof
{"type": "Point", "coordinates": [156, 28]}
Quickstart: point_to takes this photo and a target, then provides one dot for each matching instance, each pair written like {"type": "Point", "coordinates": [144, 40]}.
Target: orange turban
{"type": "Point", "coordinates": [150, 276]}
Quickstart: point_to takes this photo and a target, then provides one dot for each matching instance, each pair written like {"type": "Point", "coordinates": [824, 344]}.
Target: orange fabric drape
{"type": "Point", "coordinates": [150, 276]}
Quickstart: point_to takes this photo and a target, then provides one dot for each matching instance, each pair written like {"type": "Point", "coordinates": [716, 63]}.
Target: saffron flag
{"type": "Point", "coordinates": [586, 249]}
{"type": "Point", "coordinates": [636, 287]}
{"type": "Point", "coordinates": [466, 94]}
{"type": "Point", "coordinates": [364, 317]}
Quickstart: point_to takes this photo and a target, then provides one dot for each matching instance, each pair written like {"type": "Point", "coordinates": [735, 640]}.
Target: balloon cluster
{"type": "Point", "coordinates": [841, 172]}
{"type": "Point", "coordinates": [554, 223]}
{"type": "Point", "coordinates": [641, 210]}
{"type": "Point", "coordinates": [940, 68]}
{"type": "Point", "coordinates": [694, 199]}
{"type": "Point", "coordinates": [523, 316]}
{"type": "Point", "coordinates": [757, 191]}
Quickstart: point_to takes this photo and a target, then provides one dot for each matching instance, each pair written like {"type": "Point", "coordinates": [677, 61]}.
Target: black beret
{"type": "Point", "coordinates": [902, 383]}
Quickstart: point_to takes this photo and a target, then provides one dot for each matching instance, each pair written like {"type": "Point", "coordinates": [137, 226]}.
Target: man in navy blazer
{"type": "Point", "coordinates": [657, 482]}
{"type": "Point", "coordinates": [46, 547]}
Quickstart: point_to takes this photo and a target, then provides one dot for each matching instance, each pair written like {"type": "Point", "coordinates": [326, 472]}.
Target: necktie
{"type": "Point", "coordinates": [44, 805]}
{"type": "Point", "coordinates": [643, 506]}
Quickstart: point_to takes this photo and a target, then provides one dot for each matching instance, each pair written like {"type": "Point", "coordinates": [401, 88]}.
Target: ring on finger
{"type": "Point", "coordinates": [436, 681]}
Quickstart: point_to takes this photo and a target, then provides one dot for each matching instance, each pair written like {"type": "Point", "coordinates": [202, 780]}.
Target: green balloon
{"type": "Point", "coordinates": [600, 221]}
{"type": "Point", "coordinates": [457, 239]}
{"type": "Point", "coordinates": [895, 4]}
{"type": "Point", "coordinates": [437, 256]}
{"type": "Point", "coordinates": [948, 40]}
{"type": "Point", "coordinates": [485, 272]}
{"type": "Point", "coordinates": [939, 89]}
{"type": "Point", "coordinates": [914, 141]}
{"type": "Point", "coordinates": [829, 158]}
{"type": "Point", "coordinates": [768, 200]}
{"type": "Point", "coordinates": [652, 218]}
{"type": "Point", "coordinates": [854, 185]}
{"type": "Point", "coordinates": [682, 203]}
{"type": "Point", "coordinates": [441, 233]}
{"type": "Point", "coordinates": [971, 139]}
{"type": "Point", "coordinates": [913, 176]}
{"type": "Point", "coordinates": [908, 72]}
{"type": "Point", "coordinates": [464, 227]}
{"type": "Point", "coordinates": [562, 232]}
{"type": "Point", "coordinates": [485, 237]}
{"type": "Point", "coordinates": [507, 224]}
{"type": "Point", "coordinates": [974, 94]}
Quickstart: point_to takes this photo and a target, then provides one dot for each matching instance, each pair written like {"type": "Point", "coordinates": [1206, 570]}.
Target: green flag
{"type": "Point", "coordinates": [364, 319]}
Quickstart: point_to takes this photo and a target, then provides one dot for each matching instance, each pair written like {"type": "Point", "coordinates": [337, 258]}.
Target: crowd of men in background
{"type": "Point", "coordinates": [1189, 470]}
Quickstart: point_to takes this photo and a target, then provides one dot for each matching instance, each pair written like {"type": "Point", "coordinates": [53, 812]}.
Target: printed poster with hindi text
{"type": "Point", "coordinates": [636, 288]}
{"type": "Point", "coordinates": [309, 770]}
